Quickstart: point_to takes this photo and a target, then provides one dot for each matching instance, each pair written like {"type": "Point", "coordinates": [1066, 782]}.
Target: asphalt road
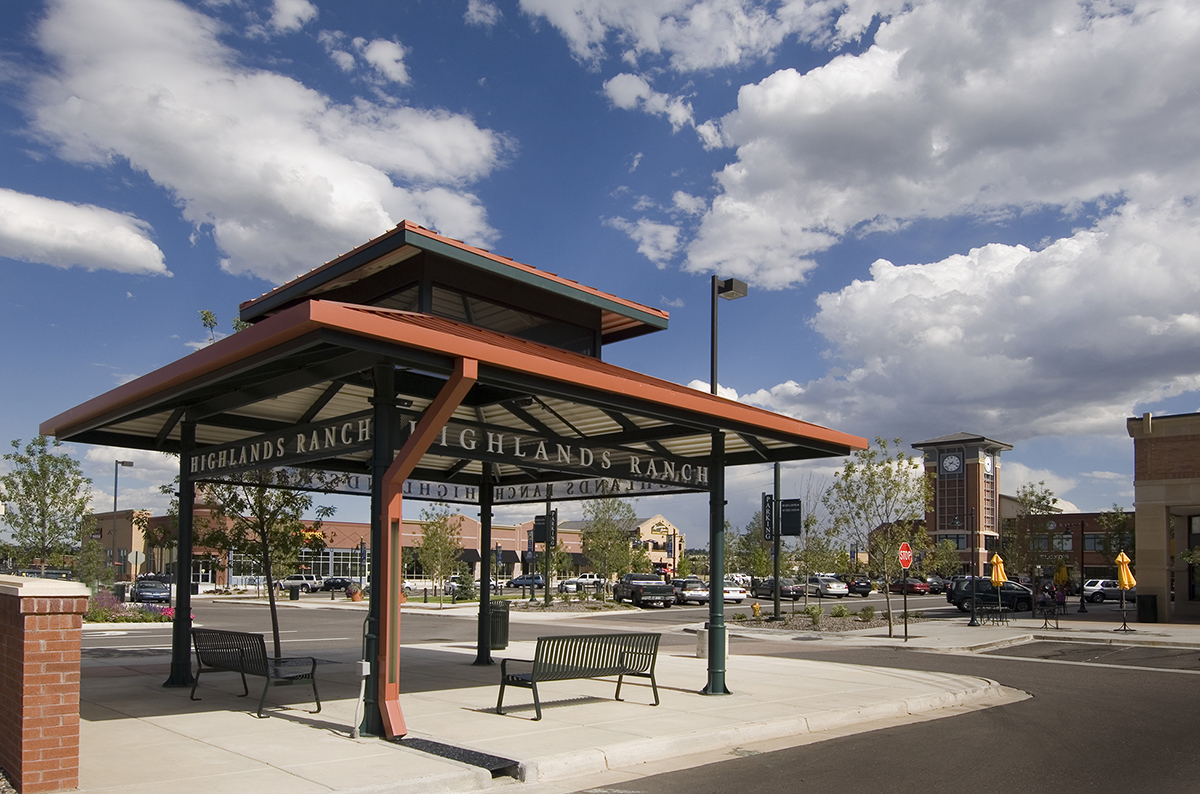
{"type": "Point", "coordinates": [1100, 720]}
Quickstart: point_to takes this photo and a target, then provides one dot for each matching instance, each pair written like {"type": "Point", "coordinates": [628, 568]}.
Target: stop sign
{"type": "Point", "coordinates": [905, 555]}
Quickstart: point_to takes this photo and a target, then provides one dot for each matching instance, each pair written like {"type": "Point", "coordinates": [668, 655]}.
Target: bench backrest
{"type": "Point", "coordinates": [564, 657]}
{"type": "Point", "coordinates": [231, 650]}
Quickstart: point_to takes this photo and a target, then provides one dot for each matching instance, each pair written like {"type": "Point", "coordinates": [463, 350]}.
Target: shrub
{"type": "Point", "coordinates": [866, 614]}
{"type": "Point", "coordinates": [839, 611]}
{"type": "Point", "coordinates": [105, 608]}
{"type": "Point", "coordinates": [739, 617]}
{"type": "Point", "coordinates": [814, 612]}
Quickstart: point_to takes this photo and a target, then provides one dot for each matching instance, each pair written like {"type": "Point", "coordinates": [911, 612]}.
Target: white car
{"type": "Point", "coordinates": [734, 592]}
{"type": "Point", "coordinates": [822, 586]}
{"type": "Point", "coordinates": [1096, 590]}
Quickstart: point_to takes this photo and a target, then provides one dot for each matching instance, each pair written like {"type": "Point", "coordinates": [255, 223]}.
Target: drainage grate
{"type": "Point", "coordinates": [499, 767]}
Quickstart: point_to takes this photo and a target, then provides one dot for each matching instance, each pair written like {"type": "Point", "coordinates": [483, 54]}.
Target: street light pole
{"type": "Point", "coordinates": [974, 566]}
{"type": "Point", "coordinates": [1082, 577]}
{"type": "Point", "coordinates": [116, 477]}
{"type": "Point", "coordinates": [729, 289]}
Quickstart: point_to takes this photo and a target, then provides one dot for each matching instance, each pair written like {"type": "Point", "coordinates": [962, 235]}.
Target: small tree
{"type": "Point", "coordinates": [1116, 536]}
{"type": "Point", "coordinates": [879, 499]}
{"type": "Point", "coordinates": [263, 517]}
{"type": "Point", "coordinates": [89, 563]}
{"type": "Point", "coordinates": [943, 559]}
{"type": "Point", "coordinates": [46, 498]}
{"type": "Point", "coordinates": [1029, 544]}
{"type": "Point", "coordinates": [607, 535]}
{"type": "Point", "coordinates": [441, 543]}
{"type": "Point", "coordinates": [683, 566]}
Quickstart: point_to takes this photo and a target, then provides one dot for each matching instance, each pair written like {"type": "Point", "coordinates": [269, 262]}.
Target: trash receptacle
{"type": "Point", "coordinates": [499, 625]}
{"type": "Point", "coordinates": [118, 590]}
{"type": "Point", "coordinates": [1147, 607]}
{"type": "Point", "coordinates": [294, 593]}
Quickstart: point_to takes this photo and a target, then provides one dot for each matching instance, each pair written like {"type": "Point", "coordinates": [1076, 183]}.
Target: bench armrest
{"type": "Point", "coordinates": [504, 665]}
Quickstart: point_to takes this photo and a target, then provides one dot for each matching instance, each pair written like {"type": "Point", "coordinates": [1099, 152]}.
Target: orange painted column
{"type": "Point", "coordinates": [439, 412]}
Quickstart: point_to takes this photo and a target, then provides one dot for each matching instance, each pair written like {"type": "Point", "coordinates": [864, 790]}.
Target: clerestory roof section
{"type": "Point", "coordinates": [313, 363]}
{"type": "Point", "coordinates": [351, 277]}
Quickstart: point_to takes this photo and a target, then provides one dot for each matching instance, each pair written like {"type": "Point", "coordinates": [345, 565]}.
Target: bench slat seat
{"type": "Point", "coordinates": [568, 657]}
{"type": "Point", "coordinates": [219, 650]}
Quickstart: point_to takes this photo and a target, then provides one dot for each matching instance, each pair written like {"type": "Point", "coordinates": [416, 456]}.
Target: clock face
{"type": "Point", "coordinates": [987, 464]}
{"type": "Point", "coordinates": [951, 463]}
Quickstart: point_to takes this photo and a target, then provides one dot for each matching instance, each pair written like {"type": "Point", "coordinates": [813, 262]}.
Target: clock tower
{"type": "Point", "coordinates": [965, 508]}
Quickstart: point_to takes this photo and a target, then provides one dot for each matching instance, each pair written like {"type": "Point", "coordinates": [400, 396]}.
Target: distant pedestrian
{"type": "Point", "coordinates": [1060, 598]}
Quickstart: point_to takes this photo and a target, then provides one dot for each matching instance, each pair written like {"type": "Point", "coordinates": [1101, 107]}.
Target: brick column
{"type": "Point", "coordinates": [40, 621]}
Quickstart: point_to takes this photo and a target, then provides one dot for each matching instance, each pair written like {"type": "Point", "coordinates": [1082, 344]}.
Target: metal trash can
{"type": "Point", "coordinates": [1147, 607]}
{"type": "Point", "coordinates": [118, 590]}
{"type": "Point", "coordinates": [499, 618]}
{"type": "Point", "coordinates": [294, 593]}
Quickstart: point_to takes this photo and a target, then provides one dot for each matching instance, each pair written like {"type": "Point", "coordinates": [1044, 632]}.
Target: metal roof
{"type": "Point", "coordinates": [620, 318]}
{"type": "Point", "coordinates": [313, 362]}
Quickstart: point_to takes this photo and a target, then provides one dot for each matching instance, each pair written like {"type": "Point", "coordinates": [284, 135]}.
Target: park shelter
{"type": "Point", "coordinates": [416, 366]}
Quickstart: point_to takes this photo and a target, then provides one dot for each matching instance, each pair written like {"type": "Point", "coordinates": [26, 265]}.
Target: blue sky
{"type": "Point", "coordinates": [953, 214]}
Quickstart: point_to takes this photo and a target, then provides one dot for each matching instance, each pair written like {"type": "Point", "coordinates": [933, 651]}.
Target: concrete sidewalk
{"type": "Point", "coordinates": [135, 733]}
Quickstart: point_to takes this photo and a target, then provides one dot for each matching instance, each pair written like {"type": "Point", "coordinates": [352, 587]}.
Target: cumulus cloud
{"type": "Point", "coordinates": [658, 242]}
{"type": "Point", "coordinates": [482, 13]}
{"type": "Point", "coordinates": [58, 233]}
{"type": "Point", "coordinates": [693, 35]}
{"type": "Point", "coordinates": [957, 109]}
{"type": "Point", "coordinates": [633, 92]}
{"type": "Point", "coordinates": [280, 175]}
{"type": "Point", "coordinates": [1062, 341]}
{"type": "Point", "coordinates": [288, 16]}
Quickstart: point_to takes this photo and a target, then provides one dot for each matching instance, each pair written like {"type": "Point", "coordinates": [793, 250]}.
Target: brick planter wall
{"type": "Point", "coordinates": [40, 622]}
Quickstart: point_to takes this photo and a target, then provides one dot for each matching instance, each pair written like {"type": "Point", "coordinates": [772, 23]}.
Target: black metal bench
{"type": "Point", "coordinates": [218, 650]}
{"type": "Point", "coordinates": [584, 656]}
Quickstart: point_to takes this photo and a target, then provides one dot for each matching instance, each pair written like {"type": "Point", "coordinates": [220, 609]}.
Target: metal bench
{"type": "Point", "coordinates": [584, 656]}
{"type": "Point", "coordinates": [218, 650]}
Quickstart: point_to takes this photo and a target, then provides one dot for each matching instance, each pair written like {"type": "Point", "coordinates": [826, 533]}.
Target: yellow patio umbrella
{"type": "Point", "coordinates": [1061, 576]}
{"type": "Point", "coordinates": [998, 578]}
{"type": "Point", "coordinates": [998, 575]}
{"type": "Point", "coordinates": [1125, 579]}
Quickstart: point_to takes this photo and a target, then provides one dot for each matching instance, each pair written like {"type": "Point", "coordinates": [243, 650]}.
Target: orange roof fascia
{"type": "Point", "coordinates": [444, 338]}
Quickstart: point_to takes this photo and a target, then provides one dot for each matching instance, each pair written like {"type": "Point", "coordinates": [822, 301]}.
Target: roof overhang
{"type": "Point", "coordinates": [312, 364]}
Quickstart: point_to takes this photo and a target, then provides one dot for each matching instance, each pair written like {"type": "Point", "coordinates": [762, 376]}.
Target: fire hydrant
{"type": "Point", "coordinates": [756, 609]}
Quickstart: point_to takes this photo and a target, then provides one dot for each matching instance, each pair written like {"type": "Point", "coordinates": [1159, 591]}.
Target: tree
{"type": "Point", "coordinates": [561, 561]}
{"type": "Point", "coordinates": [262, 516]}
{"type": "Point", "coordinates": [639, 560]}
{"type": "Point", "coordinates": [1028, 545]}
{"type": "Point", "coordinates": [1116, 536]}
{"type": "Point", "coordinates": [879, 499]}
{"type": "Point", "coordinates": [46, 498]}
{"type": "Point", "coordinates": [90, 563]}
{"type": "Point", "coordinates": [683, 566]}
{"type": "Point", "coordinates": [607, 536]}
{"type": "Point", "coordinates": [943, 559]}
{"type": "Point", "coordinates": [441, 543]}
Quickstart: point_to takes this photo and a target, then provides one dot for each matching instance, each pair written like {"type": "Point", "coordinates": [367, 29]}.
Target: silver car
{"type": "Point", "coordinates": [1096, 590]}
{"type": "Point", "coordinates": [822, 586]}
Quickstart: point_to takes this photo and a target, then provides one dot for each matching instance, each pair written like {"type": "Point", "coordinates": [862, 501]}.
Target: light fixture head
{"type": "Point", "coordinates": [124, 462]}
{"type": "Point", "coordinates": [731, 288]}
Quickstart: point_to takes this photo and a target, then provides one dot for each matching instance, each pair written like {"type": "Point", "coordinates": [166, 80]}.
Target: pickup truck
{"type": "Point", "coordinates": [582, 583]}
{"type": "Point", "coordinates": [643, 588]}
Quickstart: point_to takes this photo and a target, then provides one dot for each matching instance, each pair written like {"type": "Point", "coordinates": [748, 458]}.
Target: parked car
{"type": "Point", "coordinates": [307, 582]}
{"type": "Point", "coordinates": [584, 581]}
{"type": "Point", "coordinates": [937, 585]}
{"type": "Point", "coordinates": [788, 588]}
{"type": "Point", "coordinates": [150, 590]}
{"type": "Point", "coordinates": [336, 583]}
{"type": "Point", "coordinates": [533, 580]}
{"type": "Point", "coordinates": [643, 588]}
{"type": "Point", "coordinates": [1016, 597]}
{"type": "Point", "coordinates": [1096, 590]}
{"type": "Point", "coordinates": [734, 592]}
{"type": "Point", "coordinates": [690, 591]}
{"type": "Point", "coordinates": [909, 585]}
{"type": "Point", "coordinates": [822, 586]}
{"type": "Point", "coordinates": [860, 585]}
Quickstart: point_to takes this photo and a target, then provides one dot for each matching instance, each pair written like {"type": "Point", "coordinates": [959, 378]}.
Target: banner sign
{"type": "Point", "coordinates": [791, 517]}
{"type": "Point", "coordinates": [768, 517]}
{"type": "Point", "coordinates": [539, 528]}
{"type": "Point", "coordinates": [353, 434]}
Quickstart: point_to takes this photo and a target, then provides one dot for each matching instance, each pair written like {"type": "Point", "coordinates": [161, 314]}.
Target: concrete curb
{"type": "Point", "coordinates": [466, 779]}
{"type": "Point", "coordinates": [597, 760]}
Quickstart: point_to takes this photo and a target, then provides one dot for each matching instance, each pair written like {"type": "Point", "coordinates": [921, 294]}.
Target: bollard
{"type": "Point", "coordinates": [425, 591]}
{"type": "Point", "coordinates": [331, 592]}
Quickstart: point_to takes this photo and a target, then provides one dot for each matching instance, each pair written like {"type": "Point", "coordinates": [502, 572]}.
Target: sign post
{"type": "Point", "coordinates": [906, 558]}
